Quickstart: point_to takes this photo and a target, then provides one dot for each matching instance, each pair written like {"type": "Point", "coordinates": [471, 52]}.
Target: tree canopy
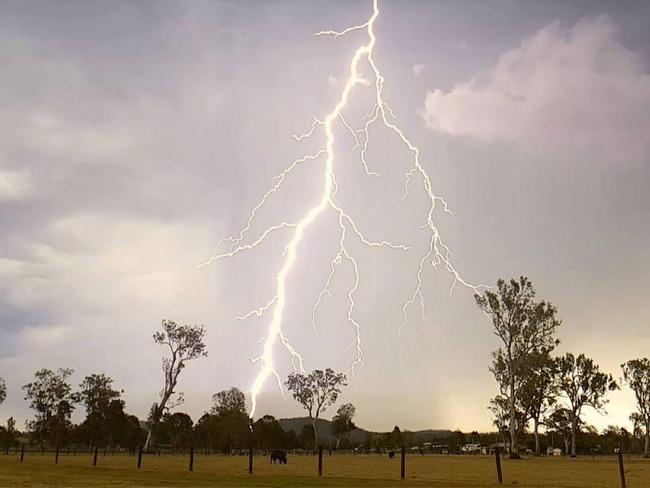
{"type": "Point", "coordinates": [636, 372]}
{"type": "Point", "coordinates": [184, 343]}
{"type": "Point", "coordinates": [584, 385]}
{"type": "Point", "coordinates": [316, 391]}
{"type": "Point", "coordinates": [50, 396]}
{"type": "Point", "coordinates": [228, 401]}
{"type": "Point", "coordinates": [525, 327]}
{"type": "Point", "coordinates": [342, 422]}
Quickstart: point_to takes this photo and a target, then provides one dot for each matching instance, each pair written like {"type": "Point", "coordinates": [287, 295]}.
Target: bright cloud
{"type": "Point", "coordinates": [576, 88]}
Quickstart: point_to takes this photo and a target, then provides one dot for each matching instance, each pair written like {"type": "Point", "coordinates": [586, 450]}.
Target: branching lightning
{"type": "Point", "coordinates": [437, 252]}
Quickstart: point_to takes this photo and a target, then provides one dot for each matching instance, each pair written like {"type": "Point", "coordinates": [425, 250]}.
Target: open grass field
{"type": "Point", "coordinates": [301, 471]}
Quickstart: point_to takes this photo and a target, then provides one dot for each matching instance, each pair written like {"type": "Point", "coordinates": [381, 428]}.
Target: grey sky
{"type": "Point", "coordinates": [136, 135]}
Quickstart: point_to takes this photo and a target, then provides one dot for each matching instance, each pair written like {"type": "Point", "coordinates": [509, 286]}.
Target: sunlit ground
{"type": "Point", "coordinates": [338, 470]}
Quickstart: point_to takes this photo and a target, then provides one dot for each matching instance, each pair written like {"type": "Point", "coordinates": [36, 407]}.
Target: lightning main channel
{"type": "Point", "coordinates": [437, 252]}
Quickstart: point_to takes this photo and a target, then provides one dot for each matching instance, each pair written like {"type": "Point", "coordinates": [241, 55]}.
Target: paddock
{"type": "Point", "coordinates": [363, 470]}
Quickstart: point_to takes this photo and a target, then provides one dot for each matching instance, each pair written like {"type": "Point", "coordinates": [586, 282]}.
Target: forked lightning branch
{"type": "Point", "coordinates": [437, 252]}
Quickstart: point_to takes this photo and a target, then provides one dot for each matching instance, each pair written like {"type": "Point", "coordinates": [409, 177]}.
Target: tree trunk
{"type": "Point", "coordinates": [537, 450]}
{"type": "Point", "coordinates": [514, 451]}
{"type": "Point", "coordinates": [567, 441]}
{"type": "Point", "coordinates": [314, 426]}
{"type": "Point", "coordinates": [149, 441]}
{"type": "Point", "coordinates": [574, 429]}
{"type": "Point", "coordinates": [646, 450]}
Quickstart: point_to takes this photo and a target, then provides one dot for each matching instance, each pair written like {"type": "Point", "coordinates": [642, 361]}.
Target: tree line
{"type": "Point", "coordinates": [549, 391]}
{"type": "Point", "coordinates": [535, 387]}
{"type": "Point", "coordinates": [224, 427]}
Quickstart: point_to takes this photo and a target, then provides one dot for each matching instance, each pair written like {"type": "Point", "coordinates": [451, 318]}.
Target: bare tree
{"type": "Point", "coordinates": [584, 385]}
{"type": "Point", "coordinates": [636, 373]}
{"type": "Point", "coordinates": [3, 390]}
{"type": "Point", "coordinates": [315, 392]}
{"type": "Point", "coordinates": [525, 327]}
{"type": "Point", "coordinates": [185, 342]}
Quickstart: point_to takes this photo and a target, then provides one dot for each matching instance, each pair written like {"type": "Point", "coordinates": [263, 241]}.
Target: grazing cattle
{"type": "Point", "coordinates": [391, 454]}
{"type": "Point", "coordinates": [278, 455]}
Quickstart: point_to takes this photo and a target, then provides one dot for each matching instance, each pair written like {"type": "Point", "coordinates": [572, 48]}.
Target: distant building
{"type": "Point", "coordinates": [436, 448]}
{"type": "Point", "coordinates": [553, 451]}
{"type": "Point", "coordinates": [470, 448]}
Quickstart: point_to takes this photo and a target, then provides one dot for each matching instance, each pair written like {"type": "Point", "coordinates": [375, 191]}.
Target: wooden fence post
{"type": "Point", "coordinates": [22, 452]}
{"type": "Point", "coordinates": [497, 458]}
{"type": "Point", "coordinates": [191, 458]}
{"type": "Point", "coordinates": [403, 463]}
{"type": "Point", "coordinates": [250, 460]}
{"type": "Point", "coordinates": [139, 457]}
{"type": "Point", "coordinates": [95, 457]}
{"type": "Point", "coordinates": [621, 468]}
{"type": "Point", "coordinates": [320, 460]}
{"type": "Point", "coordinates": [56, 455]}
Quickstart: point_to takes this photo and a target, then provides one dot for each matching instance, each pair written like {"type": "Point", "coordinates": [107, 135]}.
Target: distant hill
{"type": "Point", "coordinates": [358, 436]}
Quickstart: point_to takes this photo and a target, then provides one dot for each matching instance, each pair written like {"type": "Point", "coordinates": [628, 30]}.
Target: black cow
{"type": "Point", "coordinates": [278, 455]}
{"type": "Point", "coordinates": [391, 454]}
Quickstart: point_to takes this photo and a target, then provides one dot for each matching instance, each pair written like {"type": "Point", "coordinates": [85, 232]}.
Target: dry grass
{"type": "Point", "coordinates": [358, 471]}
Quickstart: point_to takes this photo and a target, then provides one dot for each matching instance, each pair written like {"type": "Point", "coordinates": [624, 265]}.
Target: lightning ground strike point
{"type": "Point", "coordinates": [437, 253]}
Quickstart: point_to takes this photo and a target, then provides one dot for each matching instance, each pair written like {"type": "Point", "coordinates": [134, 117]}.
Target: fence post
{"type": "Point", "coordinates": [621, 469]}
{"type": "Point", "coordinates": [320, 460]}
{"type": "Point", "coordinates": [95, 457]}
{"type": "Point", "coordinates": [403, 464]}
{"type": "Point", "coordinates": [139, 457]}
{"type": "Point", "coordinates": [191, 458]}
{"type": "Point", "coordinates": [497, 458]}
{"type": "Point", "coordinates": [22, 452]}
{"type": "Point", "coordinates": [56, 455]}
{"type": "Point", "coordinates": [250, 460]}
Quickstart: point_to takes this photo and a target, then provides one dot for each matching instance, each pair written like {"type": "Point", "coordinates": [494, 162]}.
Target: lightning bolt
{"type": "Point", "coordinates": [437, 252]}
